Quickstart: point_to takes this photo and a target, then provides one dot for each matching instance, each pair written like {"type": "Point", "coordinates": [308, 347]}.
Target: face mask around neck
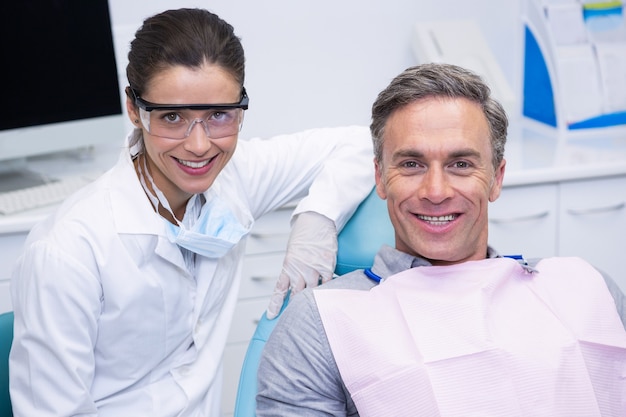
{"type": "Point", "coordinates": [212, 233]}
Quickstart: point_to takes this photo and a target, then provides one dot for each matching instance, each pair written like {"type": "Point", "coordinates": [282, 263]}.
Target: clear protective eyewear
{"type": "Point", "coordinates": [175, 121]}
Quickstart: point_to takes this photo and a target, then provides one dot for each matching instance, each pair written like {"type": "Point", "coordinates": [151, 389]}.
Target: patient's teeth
{"type": "Point", "coordinates": [437, 218]}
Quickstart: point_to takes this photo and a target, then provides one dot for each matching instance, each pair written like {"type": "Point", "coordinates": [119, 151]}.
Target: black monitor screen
{"type": "Point", "coordinates": [58, 62]}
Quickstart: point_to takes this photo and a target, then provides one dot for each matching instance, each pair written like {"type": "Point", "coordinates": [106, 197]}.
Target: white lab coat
{"type": "Point", "coordinates": [108, 319]}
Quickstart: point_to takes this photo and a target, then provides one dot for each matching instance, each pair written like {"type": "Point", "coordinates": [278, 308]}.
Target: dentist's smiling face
{"type": "Point", "coordinates": [438, 178]}
{"type": "Point", "coordinates": [181, 168]}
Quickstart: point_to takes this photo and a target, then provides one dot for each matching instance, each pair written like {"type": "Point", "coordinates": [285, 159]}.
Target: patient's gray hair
{"type": "Point", "coordinates": [438, 80]}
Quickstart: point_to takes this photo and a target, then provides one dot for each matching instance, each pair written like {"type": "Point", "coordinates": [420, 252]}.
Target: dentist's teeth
{"type": "Point", "coordinates": [191, 164]}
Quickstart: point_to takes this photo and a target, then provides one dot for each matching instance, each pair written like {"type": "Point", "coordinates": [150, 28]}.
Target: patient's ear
{"type": "Point", "coordinates": [496, 187]}
{"type": "Point", "coordinates": [378, 176]}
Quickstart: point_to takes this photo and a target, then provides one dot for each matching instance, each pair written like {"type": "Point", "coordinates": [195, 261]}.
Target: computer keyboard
{"type": "Point", "coordinates": [29, 198]}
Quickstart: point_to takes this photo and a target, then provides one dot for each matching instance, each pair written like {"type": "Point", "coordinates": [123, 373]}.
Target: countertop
{"type": "Point", "coordinates": [537, 155]}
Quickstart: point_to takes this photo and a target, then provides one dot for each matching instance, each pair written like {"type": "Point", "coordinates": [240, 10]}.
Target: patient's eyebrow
{"type": "Point", "coordinates": [466, 153]}
{"type": "Point", "coordinates": [457, 153]}
{"type": "Point", "coordinates": [407, 153]}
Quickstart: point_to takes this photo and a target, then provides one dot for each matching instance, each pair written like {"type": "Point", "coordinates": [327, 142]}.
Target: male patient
{"type": "Point", "coordinates": [453, 328]}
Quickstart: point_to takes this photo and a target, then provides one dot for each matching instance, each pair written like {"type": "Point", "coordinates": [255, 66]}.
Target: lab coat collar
{"type": "Point", "coordinates": [132, 211]}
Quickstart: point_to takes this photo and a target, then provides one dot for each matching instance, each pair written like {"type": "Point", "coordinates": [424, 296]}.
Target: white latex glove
{"type": "Point", "coordinates": [311, 256]}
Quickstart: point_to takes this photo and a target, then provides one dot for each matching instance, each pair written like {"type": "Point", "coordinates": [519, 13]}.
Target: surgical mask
{"type": "Point", "coordinates": [211, 233]}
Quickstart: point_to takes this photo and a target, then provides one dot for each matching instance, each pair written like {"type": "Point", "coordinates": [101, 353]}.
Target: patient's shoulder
{"type": "Point", "coordinates": [303, 306]}
{"type": "Point", "coordinates": [355, 280]}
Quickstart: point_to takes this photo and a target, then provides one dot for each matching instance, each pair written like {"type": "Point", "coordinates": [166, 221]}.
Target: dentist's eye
{"type": "Point", "coordinates": [166, 117]}
{"type": "Point", "coordinates": [171, 117]}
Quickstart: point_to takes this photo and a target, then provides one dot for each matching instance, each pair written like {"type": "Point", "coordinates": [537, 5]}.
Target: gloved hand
{"type": "Point", "coordinates": [311, 257]}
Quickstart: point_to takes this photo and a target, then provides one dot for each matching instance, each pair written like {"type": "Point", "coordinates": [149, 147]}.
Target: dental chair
{"type": "Point", "coordinates": [358, 242]}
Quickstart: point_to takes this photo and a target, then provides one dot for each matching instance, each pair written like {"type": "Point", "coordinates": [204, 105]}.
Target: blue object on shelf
{"type": "Point", "coordinates": [538, 94]}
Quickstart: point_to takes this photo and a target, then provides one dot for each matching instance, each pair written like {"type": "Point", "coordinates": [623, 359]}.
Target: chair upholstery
{"type": "Point", "coordinates": [359, 241]}
{"type": "Point", "coordinates": [363, 235]}
{"type": "Point", "coordinates": [6, 338]}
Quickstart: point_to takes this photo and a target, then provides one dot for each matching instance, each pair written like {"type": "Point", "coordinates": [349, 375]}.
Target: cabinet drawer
{"type": "Point", "coordinates": [270, 232]}
{"type": "Point", "coordinates": [260, 273]}
{"type": "Point", "coordinates": [11, 245]}
{"type": "Point", "coordinates": [5, 297]}
{"type": "Point", "coordinates": [524, 221]}
{"type": "Point", "coordinates": [592, 224]}
{"type": "Point", "coordinates": [233, 360]}
{"type": "Point", "coordinates": [246, 318]}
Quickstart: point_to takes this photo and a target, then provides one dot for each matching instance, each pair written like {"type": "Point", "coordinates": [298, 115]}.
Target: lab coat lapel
{"type": "Point", "coordinates": [171, 253]}
{"type": "Point", "coordinates": [133, 212]}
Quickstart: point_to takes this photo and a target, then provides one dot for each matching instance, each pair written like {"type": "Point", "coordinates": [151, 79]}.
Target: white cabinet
{"type": "Point", "coordinates": [265, 252]}
{"type": "Point", "coordinates": [233, 358]}
{"type": "Point", "coordinates": [584, 218]}
{"type": "Point", "coordinates": [592, 223]}
{"type": "Point", "coordinates": [10, 248]}
{"type": "Point", "coordinates": [523, 221]}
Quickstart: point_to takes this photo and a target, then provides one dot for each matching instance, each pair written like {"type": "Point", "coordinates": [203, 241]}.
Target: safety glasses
{"type": "Point", "coordinates": [176, 121]}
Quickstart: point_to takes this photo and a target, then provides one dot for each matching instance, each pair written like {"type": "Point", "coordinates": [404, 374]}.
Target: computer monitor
{"type": "Point", "coordinates": [60, 88]}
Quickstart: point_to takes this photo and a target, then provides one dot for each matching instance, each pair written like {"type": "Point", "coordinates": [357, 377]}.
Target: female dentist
{"type": "Point", "coordinates": [123, 298]}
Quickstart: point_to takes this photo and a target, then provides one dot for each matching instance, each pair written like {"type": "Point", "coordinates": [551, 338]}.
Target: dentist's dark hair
{"type": "Point", "coordinates": [187, 37]}
{"type": "Point", "coordinates": [181, 37]}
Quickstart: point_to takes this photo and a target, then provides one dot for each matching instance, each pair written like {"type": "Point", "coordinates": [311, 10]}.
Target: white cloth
{"type": "Point", "coordinates": [483, 338]}
{"type": "Point", "coordinates": [117, 325]}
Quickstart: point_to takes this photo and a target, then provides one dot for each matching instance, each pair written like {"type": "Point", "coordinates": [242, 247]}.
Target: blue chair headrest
{"type": "Point", "coordinates": [361, 238]}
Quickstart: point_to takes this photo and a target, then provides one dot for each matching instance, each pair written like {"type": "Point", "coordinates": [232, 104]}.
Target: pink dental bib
{"type": "Point", "coordinates": [484, 338]}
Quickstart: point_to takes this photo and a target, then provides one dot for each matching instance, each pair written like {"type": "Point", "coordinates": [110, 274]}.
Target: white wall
{"type": "Point", "coordinates": [322, 63]}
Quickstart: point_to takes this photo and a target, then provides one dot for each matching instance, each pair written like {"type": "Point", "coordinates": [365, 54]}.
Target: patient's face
{"type": "Point", "coordinates": [438, 178]}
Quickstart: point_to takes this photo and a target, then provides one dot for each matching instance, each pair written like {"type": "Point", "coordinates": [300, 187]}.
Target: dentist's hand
{"type": "Point", "coordinates": [311, 257]}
